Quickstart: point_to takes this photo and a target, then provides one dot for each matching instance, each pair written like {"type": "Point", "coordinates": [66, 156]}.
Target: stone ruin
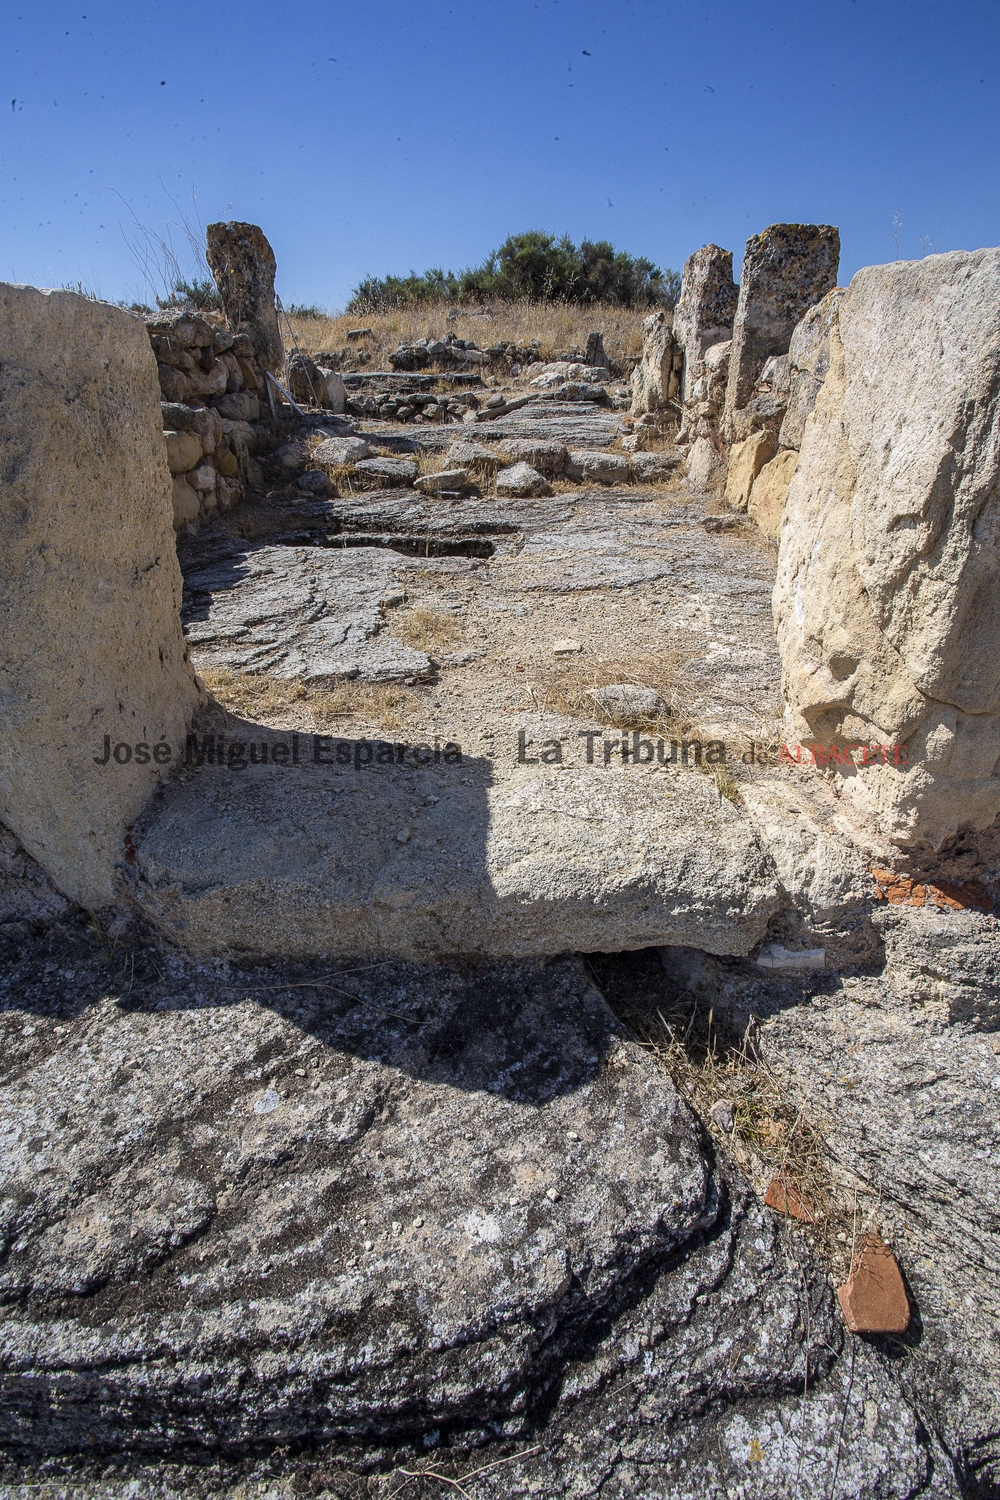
{"type": "Point", "coordinates": [219, 1182]}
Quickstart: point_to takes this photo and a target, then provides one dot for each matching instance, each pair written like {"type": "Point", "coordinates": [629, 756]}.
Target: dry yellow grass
{"type": "Point", "coordinates": [426, 628]}
{"type": "Point", "coordinates": [261, 698]}
{"type": "Point", "coordinates": [558, 325]}
{"type": "Point", "coordinates": [565, 687]}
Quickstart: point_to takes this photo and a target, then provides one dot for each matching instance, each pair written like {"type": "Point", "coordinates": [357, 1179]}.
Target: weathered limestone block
{"type": "Point", "coordinates": [243, 265]}
{"type": "Point", "coordinates": [809, 360]}
{"type": "Point", "coordinates": [786, 270]}
{"type": "Point", "coordinates": [767, 497]}
{"type": "Point", "coordinates": [746, 460]}
{"type": "Point", "coordinates": [654, 380]}
{"type": "Point", "coordinates": [705, 309]}
{"type": "Point", "coordinates": [90, 640]}
{"type": "Point", "coordinates": [298, 862]}
{"type": "Point", "coordinates": [887, 575]}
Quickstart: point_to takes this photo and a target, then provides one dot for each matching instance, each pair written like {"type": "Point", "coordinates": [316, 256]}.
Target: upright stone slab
{"type": "Point", "coordinates": [885, 599]}
{"type": "Point", "coordinates": [243, 265]}
{"type": "Point", "coordinates": [809, 361]}
{"type": "Point", "coordinates": [705, 310]}
{"type": "Point", "coordinates": [653, 380]}
{"type": "Point", "coordinates": [90, 635]}
{"type": "Point", "coordinates": [786, 270]}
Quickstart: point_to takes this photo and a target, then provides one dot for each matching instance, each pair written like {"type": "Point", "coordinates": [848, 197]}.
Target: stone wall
{"type": "Point", "coordinates": [211, 387]}
{"type": "Point", "coordinates": [742, 375]}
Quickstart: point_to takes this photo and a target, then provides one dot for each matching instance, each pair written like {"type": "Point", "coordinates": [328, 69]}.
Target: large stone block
{"type": "Point", "coordinates": [90, 642]}
{"type": "Point", "coordinates": [380, 851]}
{"type": "Point", "coordinates": [746, 460]}
{"type": "Point", "coordinates": [786, 270]}
{"type": "Point", "coordinates": [890, 549]}
{"type": "Point", "coordinates": [705, 310]}
{"type": "Point", "coordinates": [243, 265]}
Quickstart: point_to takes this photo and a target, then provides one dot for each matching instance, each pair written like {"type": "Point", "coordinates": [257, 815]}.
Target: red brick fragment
{"type": "Point", "coordinates": [949, 895]}
{"type": "Point", "coordinates": [874, 1298]}
{"type": "Point", "coordinates": [785, 1198]}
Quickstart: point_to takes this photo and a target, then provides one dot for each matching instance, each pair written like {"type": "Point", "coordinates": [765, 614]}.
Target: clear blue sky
{"type": "Point", "coordinates": [367, 138]}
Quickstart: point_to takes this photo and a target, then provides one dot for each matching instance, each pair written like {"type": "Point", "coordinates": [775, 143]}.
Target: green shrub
{"type": "Point", "coordinates": [532, 266]}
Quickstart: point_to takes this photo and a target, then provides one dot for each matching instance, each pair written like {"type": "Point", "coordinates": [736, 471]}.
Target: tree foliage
{"type": "Point", "coordinates": [533, 266]}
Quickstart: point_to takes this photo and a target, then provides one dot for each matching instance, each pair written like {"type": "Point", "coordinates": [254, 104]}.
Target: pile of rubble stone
{"type": "Point", "coordinates": [448, 353]}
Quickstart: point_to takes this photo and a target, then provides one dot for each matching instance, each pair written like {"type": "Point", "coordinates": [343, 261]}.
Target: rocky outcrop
{"type": "Point", "coordinates": [888, 560]}
{"type": "Point", "coordinates": [656, 378]}
{"type": "Point", "coordinates": [92, 661]}
{"type": "Point", "coordinates": [786, 270]}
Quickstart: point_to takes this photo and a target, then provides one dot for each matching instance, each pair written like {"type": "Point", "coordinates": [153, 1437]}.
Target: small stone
{"type": "Point", "coordinates": [566, 647]}
{"type": "Point", "coordinates": [722, 1113]}
{"type": "Point", "coordinates": [314, 482]}
{"type": "Point", "coordinates": [572, 1135]}
{"type": "Point", "coordinates": [369, 1244]}
{"type": "Point", "coordinates": [774, 956]}
{"type": "Point", "coordinates": [403, 836]}
{"type": "Point", "coordinates": [625, 699]}
{"type": "Point", "coordinates": [388, 471]}
{"type": "Point", "coordinates": [446, 479]}
{"type": "Point", "coordinates": [873, 1298]}
{"type": "Point", "coordinates": [397, 1228]}
{"type": "Point", "coordinates": [270, 1100]}
{"type": "Point", "coordinates": [418, 1223]}
{"type": "Point", "coordinates": [341, 450]}
{"type": "Point", "coordinates": [521, 480]}
{"type": "Point", "coordinates": [553, 1195]}
{"type": "Point", "coordinates": [300, 1072]}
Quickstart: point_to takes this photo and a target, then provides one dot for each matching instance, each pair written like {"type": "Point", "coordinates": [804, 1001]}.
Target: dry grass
{"type": "Point", "coordinates": [565, 687]}
{"type": "Point", "coordinates": [426, 628]}
{"type": "Point", "coordinates": [770, 1138]}
{"type": "Point", "coordinates": [557, 325]}
{"type": "Point", "coordinates": [260, 698]}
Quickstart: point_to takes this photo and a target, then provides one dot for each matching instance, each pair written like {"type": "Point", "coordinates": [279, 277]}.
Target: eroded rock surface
{"type": "Point", "coordinates": [312, 613]}
{"type": "Point", "coordinates": [329, 1223]}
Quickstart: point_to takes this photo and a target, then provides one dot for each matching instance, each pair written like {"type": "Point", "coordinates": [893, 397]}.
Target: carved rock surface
{"type": "Point", "coordinates": [890, 549]}
{"type": "Point", "coordinates": [446, 1216]}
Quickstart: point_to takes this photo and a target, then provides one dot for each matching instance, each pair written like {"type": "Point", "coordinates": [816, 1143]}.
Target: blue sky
{"type": "Point", "coordinates": [390, 136]}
